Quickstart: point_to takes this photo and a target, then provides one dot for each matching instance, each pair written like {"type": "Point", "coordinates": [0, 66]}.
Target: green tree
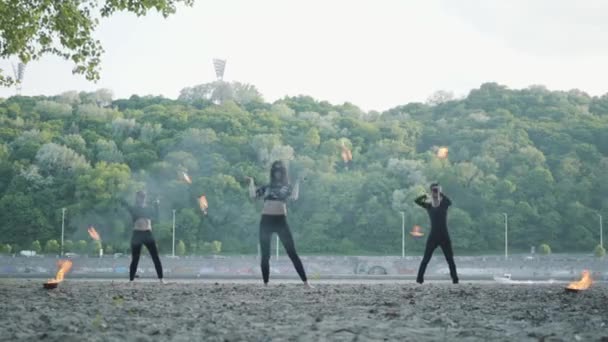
{"type": "Point", "coordinates": [99, 185]}
{"type": "Point", "coordinates": [94, 247]}
{"type": "Point", "coordinates": [180, 249]}
{"type": "Point", "coordinates": [216, 247]}
{"type": "Point", "coordinates": [52, 247]}
{"type": "Point", "coordinates": [17, 210]}
{"type": "Point", "coordinates": [68, 246]}
{"type": "Point", "coordinates": [81, 246]}
{"type": "Point", "coordinates": [535, 154]}
{"type": "Point", "coordinates": [5, 249]}
{"type": "Point", "coordinates": [65, 29]}
{"type": "Point", "coordinates": [544, 249]}
{"type": "Point", "coordinates": [108, 249]}
{"type": "Point", "coordinates": [36, 246]}
{"type": "Point", "coordinates": [194, 249]}
{"type": "Point", "coordinates": [599, 251]}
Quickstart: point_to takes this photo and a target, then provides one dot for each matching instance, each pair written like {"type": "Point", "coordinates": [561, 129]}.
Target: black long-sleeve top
{"type": "Point", "coordinates": [438, 215]}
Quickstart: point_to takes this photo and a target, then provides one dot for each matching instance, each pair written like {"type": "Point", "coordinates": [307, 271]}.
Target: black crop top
{"type": "Point", "coordinates": [272, 192]}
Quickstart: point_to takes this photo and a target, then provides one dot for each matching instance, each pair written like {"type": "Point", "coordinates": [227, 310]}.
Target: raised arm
{"type": "Point", "coordinates": [251, 188]}
{"type": "Point", "coordinates": [295, 192]}
{"type": "Point", "coordinates": [445, 199]}
{"type": "Point", "coordinates": [421, 201]}
{"type": "Point", "coordinates": [157, 210]}
{"type": "Point", "coordinates": [255, 193]}
{"type": "Point", "coordinates": [126, 206]}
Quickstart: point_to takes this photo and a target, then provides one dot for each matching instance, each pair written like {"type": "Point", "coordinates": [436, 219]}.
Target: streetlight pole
{"type": "Point", "coordinates": [402, 235]}
{"type": "Point", "coordinates": [277, 247]}
{"type": "Point", "coordinates": [506, 236]}
{"type": "Point", "coordinates": [173, 250]}
{"type": "Point", "coordinates": [62, 228]}
{"type": "Point", "coordinates": [601, 232]}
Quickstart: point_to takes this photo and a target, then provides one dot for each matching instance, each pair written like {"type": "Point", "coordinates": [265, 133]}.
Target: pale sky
{"type": "Point", "coordinates": [376, 54]}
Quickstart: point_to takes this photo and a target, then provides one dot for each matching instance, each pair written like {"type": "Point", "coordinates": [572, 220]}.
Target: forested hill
{"type": "Point", "coordinates": [540, 156]}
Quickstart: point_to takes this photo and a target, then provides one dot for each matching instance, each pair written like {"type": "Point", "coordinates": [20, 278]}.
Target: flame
{"type": "Point", "coordinates": [64, 267]}
{"type": "Point", "coordinates": [186, 178]}
{"type": "Point", "coordinates": [442, 153]}
{"type": "Point", "coordinates": [202, 201]}
{"type": "Point", "coordinates": [416, 231]}
{"type": "Point", "coordinates": [93, 233]}
{"type": "Point", "coordinates": [582, 284]}
{"type": "Point", "coordinates": [346, 153]}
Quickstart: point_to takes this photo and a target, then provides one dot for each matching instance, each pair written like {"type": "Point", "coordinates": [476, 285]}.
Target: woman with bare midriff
{"type": "Point", "coordinates": [274, 217]}
{"type": "Point", "coordinates": [142, 217]}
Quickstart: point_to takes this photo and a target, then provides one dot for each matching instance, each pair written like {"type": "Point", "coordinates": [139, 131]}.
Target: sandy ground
{"type": "Point", "coordinates": [285, 311]}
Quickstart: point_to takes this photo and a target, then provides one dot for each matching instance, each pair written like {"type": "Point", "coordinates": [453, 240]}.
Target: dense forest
{"type": "Point", "coordinates": [539, 156]}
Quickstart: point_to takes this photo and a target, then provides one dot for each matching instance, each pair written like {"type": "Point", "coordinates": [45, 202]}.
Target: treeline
{"type": "Point", "coordinates": [539, 156]}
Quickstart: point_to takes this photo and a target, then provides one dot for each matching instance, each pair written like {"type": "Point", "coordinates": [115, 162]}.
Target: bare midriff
{"type": "Point", "coordinates": [142, 224]}
{"type": "Point", "coordinates": [274, 208]}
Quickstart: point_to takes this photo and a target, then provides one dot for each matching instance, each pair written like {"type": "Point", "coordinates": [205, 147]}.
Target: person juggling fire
{"type": "Point", "coordinates": [143, 216]}
{"type": "Point", "coordinates": [437, 208]}
{"type": "Point", "coordinates": [274, 217]}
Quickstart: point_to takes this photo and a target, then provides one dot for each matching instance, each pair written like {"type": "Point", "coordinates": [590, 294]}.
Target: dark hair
{"type": "Point", "coordinates": [434, 185]}
{"type": "Point", "coordinates": [278, 166]}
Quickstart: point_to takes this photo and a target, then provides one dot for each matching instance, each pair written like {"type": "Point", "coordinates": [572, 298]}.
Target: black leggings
{"type": "Point", "coordinates": [144, 238]}
{"type": "Point", "coordinates": [446, 246]}
{"type": "Point", "coordinates": [278, 224]}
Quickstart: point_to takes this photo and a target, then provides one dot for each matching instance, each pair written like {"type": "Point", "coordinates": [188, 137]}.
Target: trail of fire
{"type": "Point", "coordinates": [95, 236]}
{"type": "Point", "coordinates": [346, 154]}
{"type": "Point", "coordinates": [64, 267]}
{"type": "Point", "coordinates": [442, 153]}
{"type": "Point", "coordinates": [186, 178]}
{"type": "Point", "coordinates": [582, 284]}
{"type": "Point", "coordinates": [93, 233]}
{"type": "Point", "coordinates": [417, 231]}
{"type": "Point", "coordinates": [202, 201]}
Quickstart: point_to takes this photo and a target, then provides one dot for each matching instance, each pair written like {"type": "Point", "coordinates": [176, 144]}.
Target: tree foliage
{"type": "Point", "coordinates": [180, 249]}
{"type": "Point", "coordinates": [52, 247]}
{"type": "Point", "coordinates": [538, 155]}
{"type": "Point", "coordinates": [32, 29]}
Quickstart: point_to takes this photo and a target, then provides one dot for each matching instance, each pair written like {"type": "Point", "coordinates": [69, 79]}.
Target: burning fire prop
{"type": "Point", "coordinates": [186, 178]}
{"type": "Point", "coordinates": [95, 236]}
{"type": "Point", "coordinates": [417, 232]}
{"type": "Point", "coordinates": [93, 233]}
{"type": "Point", "coordinates": [202, 202]}
{"type": "Point", "coordinates": [582, 284]}
{"type": "Point", "coordinates": [346, 154]}
{"type": "Point", "coordinates": [64, 267]}
{"type": "Point", "coordinates": [442, 153]}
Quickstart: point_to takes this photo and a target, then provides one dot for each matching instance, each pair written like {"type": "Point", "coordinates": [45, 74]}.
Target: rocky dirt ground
{"type": "Point", "coordinates": [286, 311]}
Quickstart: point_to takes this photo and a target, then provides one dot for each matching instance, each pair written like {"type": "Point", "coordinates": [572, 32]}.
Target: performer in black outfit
{"type": "Point", "coordinates": [142, 217]}
{"type": "Point", "coordinates": [438, 212]}
{"type": "Point", "coordinates": [274, 217]}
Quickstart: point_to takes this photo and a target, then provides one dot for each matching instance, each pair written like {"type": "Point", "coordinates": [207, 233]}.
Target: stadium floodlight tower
{"type": "Point", "coordinates": [19, 72]}
{"type": "Point", "coordinates": [220, 66]}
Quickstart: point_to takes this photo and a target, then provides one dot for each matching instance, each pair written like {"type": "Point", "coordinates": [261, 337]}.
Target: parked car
{"type": "Point", "coordinates": [28, 253]}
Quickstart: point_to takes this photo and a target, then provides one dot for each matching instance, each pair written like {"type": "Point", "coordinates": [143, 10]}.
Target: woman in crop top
{"type": "Point", "coordinates": [142, 217]}
{"type": "Point", "coordinates": [274, 217]}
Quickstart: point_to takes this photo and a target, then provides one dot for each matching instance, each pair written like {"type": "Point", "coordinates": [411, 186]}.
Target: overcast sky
{"type": "Point", "coordinates": [376, 54]}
